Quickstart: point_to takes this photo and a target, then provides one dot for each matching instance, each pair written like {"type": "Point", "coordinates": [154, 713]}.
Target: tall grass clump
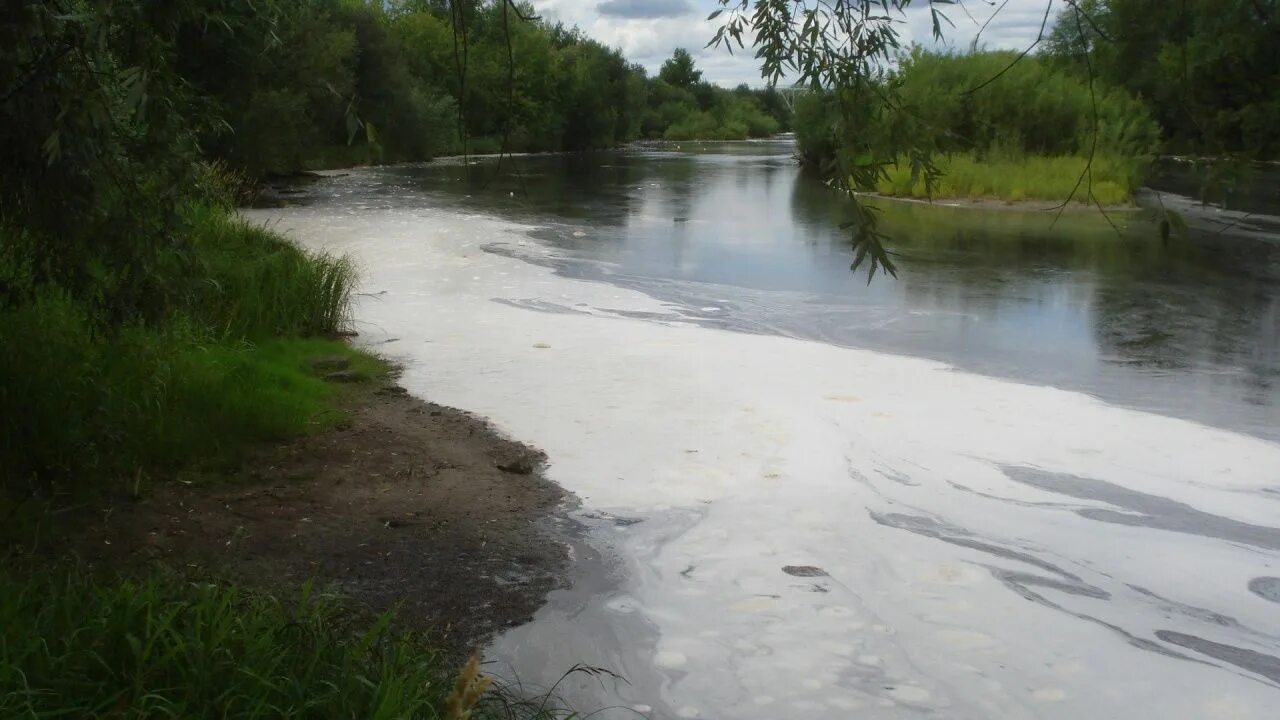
{"type": "Point", "coordinates": [253, 283]}
{"type": "Point", "coordinates": [165, 647]}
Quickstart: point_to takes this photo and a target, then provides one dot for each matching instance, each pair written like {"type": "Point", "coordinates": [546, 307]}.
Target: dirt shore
{"type": "Point", "coordinates": [406, 504]}
{"type": "Point", "coordinates": [1038, 206]}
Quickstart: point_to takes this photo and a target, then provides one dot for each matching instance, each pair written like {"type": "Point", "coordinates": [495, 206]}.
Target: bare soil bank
{"type": "Point", "coordinates": [1044, 206]}
{"type": "Point", "coordinates": [407, 504]}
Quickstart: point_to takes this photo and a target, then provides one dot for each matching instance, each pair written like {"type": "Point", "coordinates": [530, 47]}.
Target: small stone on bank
{"type": "Point", "coordinates": [344, 376]}
{"type": "Point", "coordinates": [804, 571]}
{"type": "Point", "coordinates": [523, 465]}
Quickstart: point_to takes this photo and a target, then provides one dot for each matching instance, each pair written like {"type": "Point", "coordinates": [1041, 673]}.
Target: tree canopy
{"type": "Point", "coordinates": [1209, 70]}
{"type": "Point", "coordinates": [678, 70]}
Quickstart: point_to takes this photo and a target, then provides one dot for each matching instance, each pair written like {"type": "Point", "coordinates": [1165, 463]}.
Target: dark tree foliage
{"type": "Point", "coordinates": [96, 144]}
{"type": "Point", "coordinates": [1209, 69]}
{"type": "Point", "coordinates": [682, 106]}
{"type": "Point", "coordinates": [113, 113]}
{"type": "Point", "coordinates": [678, 70]}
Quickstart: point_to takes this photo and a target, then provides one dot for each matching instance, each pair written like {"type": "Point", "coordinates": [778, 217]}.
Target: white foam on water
{"type": "Point", "coordinates": [984, 549]}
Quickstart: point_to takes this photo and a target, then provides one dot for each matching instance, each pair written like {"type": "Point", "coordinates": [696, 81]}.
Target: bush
{"type": "Point", "coordinates": [696, 125]}
{"type": "Point", "coordinates": [1025, 135]}
{"type": "Point", "coordinates": [814, 123]}
{"type": "Point", "coordinates": [1032, 107]}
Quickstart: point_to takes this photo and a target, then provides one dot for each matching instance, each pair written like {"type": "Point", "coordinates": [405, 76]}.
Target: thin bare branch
{"type": "Point", "coordinates": [1044, 23]}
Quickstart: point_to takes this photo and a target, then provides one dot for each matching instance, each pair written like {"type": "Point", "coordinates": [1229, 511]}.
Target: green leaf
{"type": "Point", "coordinates": [52, 148]}
{"type": "Point", "coordinates": [353, 127]}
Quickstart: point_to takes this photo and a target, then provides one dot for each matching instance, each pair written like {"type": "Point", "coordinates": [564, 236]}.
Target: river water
{"type": "Point", "coordinates": [1035, 475]}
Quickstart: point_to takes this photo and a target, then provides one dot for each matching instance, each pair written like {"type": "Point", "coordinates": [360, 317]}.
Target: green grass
{"type": "Point", "coordinates": [76, 646]}
{"type": "Point", "coordinates": [1017, 237]}
{"type": "Point", "coordinates": [165, 647]}
{"type": "Point", "coordinates": [90, 406]}
{"type": "Point", "coordinates": [1016, 179]}
{"type": "Point", "coordinates": [90, 401]}
{"type": "Point", "coordinates": [250, 282]}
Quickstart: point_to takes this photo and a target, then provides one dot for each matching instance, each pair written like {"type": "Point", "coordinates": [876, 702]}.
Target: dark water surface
{"type": "Point", "coordinates": [740, 238]}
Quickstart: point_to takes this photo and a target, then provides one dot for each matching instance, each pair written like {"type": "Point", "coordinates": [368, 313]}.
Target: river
{"type": "Point", "coordinates": [1035, 475]}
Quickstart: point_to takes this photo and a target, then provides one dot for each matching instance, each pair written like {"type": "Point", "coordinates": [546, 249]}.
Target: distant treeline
{"type": "Point", "coordinates": [310, 83]}
{"type": "Point", "coordinates": [682, 106]}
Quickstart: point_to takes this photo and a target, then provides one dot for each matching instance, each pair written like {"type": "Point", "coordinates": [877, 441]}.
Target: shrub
{"type": "Point", "coordinates": [1031, 108]}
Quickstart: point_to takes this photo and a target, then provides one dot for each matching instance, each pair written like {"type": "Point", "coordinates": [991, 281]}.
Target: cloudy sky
{"type": "Point", "coordinates": [648, 30]}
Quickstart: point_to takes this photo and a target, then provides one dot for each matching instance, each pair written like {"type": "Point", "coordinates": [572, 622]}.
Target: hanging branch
{"type": "Point", "coordinates": [983, 29]}
{"type": "Point", "coordinates": [1044, 22]}
{"type": "Point", "coordinates": [1087, 173]}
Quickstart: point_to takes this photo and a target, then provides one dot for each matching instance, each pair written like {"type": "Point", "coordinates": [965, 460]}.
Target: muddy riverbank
{"type": "Point", "coordinates": [406, 505]}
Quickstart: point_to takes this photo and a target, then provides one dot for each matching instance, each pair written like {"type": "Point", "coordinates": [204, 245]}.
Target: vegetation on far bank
{"type": "Point", "coordinates": [682, 106]}
{"type": "Point", "coordinates": [1116, 81]}
{"type": "Point", "coordinates": [1029, 136]}
{"type": "Point", "coordinates": [277, 87]}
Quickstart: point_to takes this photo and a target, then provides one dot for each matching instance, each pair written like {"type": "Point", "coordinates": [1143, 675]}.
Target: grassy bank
{"type": "Point", "coordinates": [91, 403]}
{"type": "Point", "coordinates": [232, 352]}
{"type": "Point", "coordinates": [169, 648]}
{"type": "Point", "coordinates": [1022, 178]}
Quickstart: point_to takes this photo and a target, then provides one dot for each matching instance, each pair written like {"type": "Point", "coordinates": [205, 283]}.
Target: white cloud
{"type": "Point", "coordinates": [647, 32]}
{"type": "Point", "coordinates": [1008, 25]}
{"type": "Point", "coordinates": [643, 8]}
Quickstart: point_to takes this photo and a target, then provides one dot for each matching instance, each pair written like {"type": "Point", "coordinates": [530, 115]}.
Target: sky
{"type": "Point", "coordinates": [647, 31]}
